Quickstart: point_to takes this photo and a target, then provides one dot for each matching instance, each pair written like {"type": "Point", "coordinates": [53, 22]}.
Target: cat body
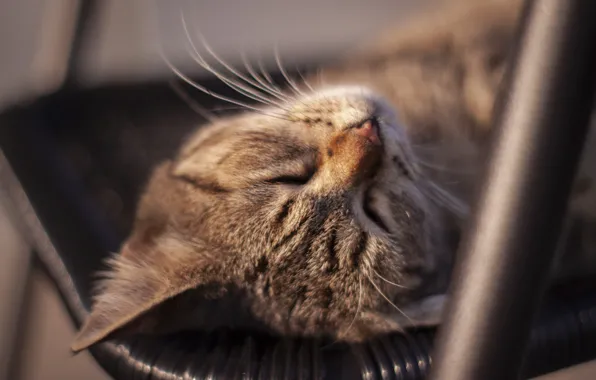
{"type": "Point", "coordinates": [334, 211]}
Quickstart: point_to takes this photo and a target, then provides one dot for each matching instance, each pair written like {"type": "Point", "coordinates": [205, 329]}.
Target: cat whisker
{"type": "Point", "coordinates": [201, 111]}
{"type": "Point", "coordinates": [305, 81]}
{"type": "Point", "coordinates": [232, 69]}
{"type": "Point", "coordinates": [389, 282]}
{"type": "Point", "coordinates": [292, 84]}
{"type": "Point", "coordinates": [268, 78]}
{"type": "Point", "coordinates": [459, 206]}
{"type": "Point", "coordinates": [438, 167]}
{"type": "Point", "coordinates": [358, 308]}
{"type": "Point", "coordinates": [320, 77]}
{"type": "Point", "coordinates": [443, 198]}
{"type": "Point", "coordinates": [186, 79]}
{"type": "Point", "coordinates": [242, 90]}
{"type": "Point", "coordinates": [269, 87]}
{"type": "Point", "coordinates": [238, 87]}
{"type": "Point", "coordinates": [230, 108]}
{"type": "Point", "coordinates": [388, 300]}
{"type": "Point", "coordinates": [359, 304]}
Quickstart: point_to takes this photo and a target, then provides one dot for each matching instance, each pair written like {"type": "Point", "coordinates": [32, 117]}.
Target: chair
{"type": "Point", "coordinates": [73, 163]}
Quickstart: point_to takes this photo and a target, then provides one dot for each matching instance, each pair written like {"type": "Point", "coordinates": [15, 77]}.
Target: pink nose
{"type": "Point", "coordinates": [370, 130]}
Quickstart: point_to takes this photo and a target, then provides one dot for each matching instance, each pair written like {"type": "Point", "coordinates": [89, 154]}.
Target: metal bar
{"type": "Point", "coordinates": [15, 268]}
{"type": "Point", "coordinates": [539, 133]}
{"type": "Point", "coordinates": [87, 14]}
{"type": "Point", "coordinates": [56, 34]}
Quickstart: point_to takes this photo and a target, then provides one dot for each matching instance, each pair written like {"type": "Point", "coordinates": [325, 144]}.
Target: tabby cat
{"type": "Point", "coordinates": [334, 210]}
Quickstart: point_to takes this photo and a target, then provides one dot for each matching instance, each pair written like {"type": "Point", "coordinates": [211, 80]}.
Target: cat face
{"type": "Point", "coordinates": [314, 216]}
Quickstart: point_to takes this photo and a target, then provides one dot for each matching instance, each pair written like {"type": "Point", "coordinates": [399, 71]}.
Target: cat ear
{"type": "Point", "coordinates": [216, 146]}
{"type": "Point", "coordinates": [141, 278]}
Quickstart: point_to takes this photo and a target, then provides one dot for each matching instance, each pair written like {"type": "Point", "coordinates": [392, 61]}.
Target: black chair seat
{"type": "Point", "coordinates": [82, 158]}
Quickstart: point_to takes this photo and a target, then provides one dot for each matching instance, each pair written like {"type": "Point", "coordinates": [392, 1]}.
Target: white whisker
{"type": "Point", "coordinates": [389, 282]}
{"type": "Point", "coordinates": [190, 102]}
{"type": "Point", "coordinates": [443, 198]}
{"type": "Point", "coordinates": [359, 303]}
{"type": "Point", "coordinates": [358, 307]}
{"type": "Point", "coordinates": [232, 69]}
{"type": "Point", "coordinates": [213, 94]}
{"type": "Point", "coordinates": [237, 73]}
{"type": "Point", "coordinates": [388, 300]}
{"type": "Point", "coordinates": [305, 81]}
{"type": "Point", "coordinates": [438, 167]}
{"type": "Point", "coordinates": [269, 87]}
{"type": "Point", "coordinates": [285, 74]}
{"type": "Point", "coordinates": [238, 87]}
{"type": "Point", "coordinates": [230, 108]}
{"type": "Point", "coordinates": [460, 206]}
{"type": "Point", "coordinates": [320, 77]}
{"type": "Point", "coordinates": [267, 77]}
{"type": "Point", "coordinates": [242, 90]}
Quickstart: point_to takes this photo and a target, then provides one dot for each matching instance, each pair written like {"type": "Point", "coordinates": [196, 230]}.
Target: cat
{"type": "Point", "coordinates": [334, 211]}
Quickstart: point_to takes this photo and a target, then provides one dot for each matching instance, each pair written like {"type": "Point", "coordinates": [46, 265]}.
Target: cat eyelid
{"type": "Point", "coordinates": [289, 180]}
{"type": "Point", "coordinates": [295, 179]}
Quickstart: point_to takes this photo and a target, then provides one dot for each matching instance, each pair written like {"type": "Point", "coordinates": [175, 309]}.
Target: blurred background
{"type": "Point", "coordinates": [123, 46]}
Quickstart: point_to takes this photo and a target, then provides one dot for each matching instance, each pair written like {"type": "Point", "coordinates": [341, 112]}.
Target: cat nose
{"type": "Point", "coordinates": [370, 130]}
{"type": "Point", "coordinates": [351, 156]}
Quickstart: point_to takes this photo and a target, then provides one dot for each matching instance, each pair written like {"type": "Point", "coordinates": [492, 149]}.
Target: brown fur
{"type": "Point", "coordinates": [295, 223]}
{"type": "Point", "coordinates": [307, 219]}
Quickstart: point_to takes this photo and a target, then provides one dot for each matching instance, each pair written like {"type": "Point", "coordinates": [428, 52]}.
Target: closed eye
{"type": "Point", "coordinates": [296, 180]}
{"type": "Point", "coordinates": [293, 179]}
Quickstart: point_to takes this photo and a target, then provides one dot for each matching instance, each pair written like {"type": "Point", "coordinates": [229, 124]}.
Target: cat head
{"type": "Point", "coordinates": [315, 212]}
